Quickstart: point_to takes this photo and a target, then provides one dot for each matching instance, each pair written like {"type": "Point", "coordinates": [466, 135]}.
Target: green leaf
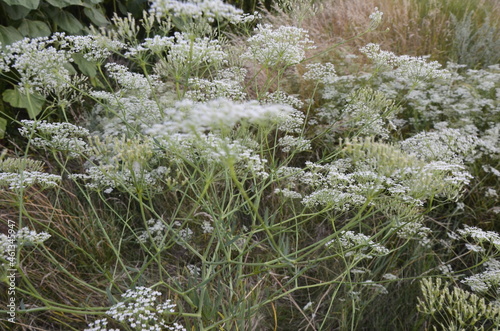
{"type": "Point", "coordinates": [30, 4]}
{"type": "Point", "coordinates": [33, 29]}
{"type": "Point", "coordinates": [31, 102]}
{"type": "Point", "coordinates": [67, 22]}
{"type": "Point", "coordinates": [136, 6]}
{"type": "Point", "coordinates": [3, 127]}
{"type": "Point", "coordinates": [64, 3]}
{"type": "Point", "coordinates": [15, 12]}
{"type": "Point", "coordinates": [96, 16]}
{"type": "Point", "coordinates": [71, 70]}
{"type": "Point", "coordinates": [86, 67]}
{"type": "Point", "coordinates": [8, 35]}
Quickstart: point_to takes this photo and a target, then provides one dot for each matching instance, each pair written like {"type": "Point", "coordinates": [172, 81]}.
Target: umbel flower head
{"type": "Point", "coordinates": [284, 46]}
{"type": "Point", "coordinates": [140, 312]}
{"type": "Point", "coordinates": [209, 10]}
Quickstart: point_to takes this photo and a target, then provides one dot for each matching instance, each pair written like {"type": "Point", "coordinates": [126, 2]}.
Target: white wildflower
{"type": "Point", "coordinates": [209, 10]}
{"type": "Point", "coordinates": [23, 237]}
{"type": "Point", "coordinates": [207, 227]}
{"type": "Point", "coordinates": [480, 236]}
{"type": "Point", "coordinates": [358, 245]}
{"type": "Point", "coordinates": [24, 179]}
{"type": "Point", "coordinates": [284, 46]}
{"type": "Point", "coordinates": [323, 73]}
{"type": "Point", "coordinates": [56, 136]}
{"type": "Point", "coordinates": [297, 144]}
{"type": "Point", "coordinates": [413, 68]}
{"type": "Point", "coordinates": [140, 311]}
{"type": "Point", "coordinates": [189, 116]}
{"type": "Point", "coordinates": [375, 18]}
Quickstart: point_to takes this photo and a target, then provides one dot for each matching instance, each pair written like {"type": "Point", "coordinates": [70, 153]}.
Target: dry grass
{"type": "Point", "coordinates": [409, 27]}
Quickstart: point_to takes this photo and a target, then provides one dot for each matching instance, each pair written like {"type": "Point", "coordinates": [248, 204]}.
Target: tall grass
{"type": "Point", "coordinates": [466, 32]}
{"type": "Point", "coordinates": [245, 182]}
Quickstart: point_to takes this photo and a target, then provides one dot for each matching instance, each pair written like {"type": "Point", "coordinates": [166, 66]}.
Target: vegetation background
{"type": "Point", "coordinates": [372, 204]}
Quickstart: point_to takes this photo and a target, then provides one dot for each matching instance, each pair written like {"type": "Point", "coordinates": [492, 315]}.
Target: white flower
{"type": "Point", "coordinates": [209, 10]}
{"type": "Point", "coordinates": [358, 244]}
{"type": "Point", "coordinates": [139, 311]}
{"type": "Point", "coordinates": [56, 136]}
{"type": "Point", "coordinates": [375, 18]}
{"type": "Point", "coordinates": [189, 116]}
{"type": "Point", "coordinates": [283, 46]}
{"type": "Point", "coordinates": [17, 181]}
{"type": "Point", "coordinates": [446, 144]}
{"type": "Point", "coordinates": [23, 237]}
{"type": "Point", "coordinates": [480, 236]}
{"type": "Point", "coordinates": [323, 73]}
{"type": "Point", "coordinates": [413, 68]}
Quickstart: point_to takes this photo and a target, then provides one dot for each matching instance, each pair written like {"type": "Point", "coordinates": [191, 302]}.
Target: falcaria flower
{"type": "Point", "coordinates": [140, 311]}
{"type": "Point", "coordinates": [284, 46]}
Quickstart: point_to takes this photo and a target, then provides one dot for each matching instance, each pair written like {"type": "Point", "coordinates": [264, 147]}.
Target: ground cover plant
{"type": "Point", "coordinates": [202, 168]}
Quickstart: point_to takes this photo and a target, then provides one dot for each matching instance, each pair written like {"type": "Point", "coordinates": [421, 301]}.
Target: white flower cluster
{"type": "Point", "coordinates": [486, 280]}
{"type": "Point", "coordinates": [21, 180]}
{"type": "Point", "coordinates": [41, 66]}
{"type": "Point", "coordinates": [375, 18]}
{"type": "Point", "coordinates": [480, 236]}
{"type": "Point", "coordinates": [283, 46]}
{"type": "Point", "coordinates": [125, 164]}
{"type": "Point", "coordinates": [23, 237]}
{"type": "Point", "coordinates": [414, 230]}
{"type": "Point", "coordinates": [140, 312]}
{"type": "Point", "coordinates": [490, 142]}
{"type": "Point", "coordinates": [323, 73]}
{"type": "Point", "coordinates": [280, 97]}
{"type": "Point", "coordinates": [95, 48]}
{"type": "Point", "coordinates": [446, 144]}
{"type": "Point", "coordinates": [369, 113]}
{"type": "Point", "coordinates": [412, 68]}
{"type": "Point", "coordinates": [56, 136]}
{"type": "Point", "coordinates": [185, 234]}
{"type": "Point", "coordinates": [123, 115]}
{"type": "Point", "coordinates": [155, 231]}
{"type": "Point", "coordinates": [188, 54]}
{"type": "Point", "coordinates": [409, 178]}
{"type": "Point", "coordinates": [331, 184]}
{"type": "Point", "coordinates": [189, 116]}
{"type": "Point", "coordinates": [158, 45]}
{"type": "Point", "coordinates": [297, 144]}
{"type": "Point", "coordinates": [207, 227]}
{"type": "Point", "coordinates": [358, 245]}
{"type": "Point", "coordinates": [209, 10]}
{"type": "Point", "coordinates": [227, 84]}
{"type": "Point", "coordinates": [131, 82]}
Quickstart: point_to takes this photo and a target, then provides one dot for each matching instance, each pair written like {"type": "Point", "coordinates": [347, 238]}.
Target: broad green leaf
{"type": "Point", "coordinates": [135, 6]}
{"type": "Point", "coordinates": [86, 67]}
{"type": "Point", "coordinates": [96, 16]}
{"type": "Point", "coordinates": [31, 102]}
{"type": "Point", "coordinates": [33, 29]}
{"type": "Point", "coordinates": [71, 70]}
{"type": "Point", "coordinates": [30, 4]}
{"type": "Point", "coordinates": [67, 22]}
{"type": "Point", "coordinates": [121, 7]}
{"type": "Point", "coordinates": [15, 12]}
{"type": "Point", "coordinates": [8, 35]}
{"type": "Point", "coordinates": [3, 127]}
{"type": "Point", "coordinates": [64, 3]}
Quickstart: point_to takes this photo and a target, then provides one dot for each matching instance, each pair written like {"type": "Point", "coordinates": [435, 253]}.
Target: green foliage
{"type": "Point", "coordinates": [179, 159]}
{"type": "Point", "coordinates": [33, 103]}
